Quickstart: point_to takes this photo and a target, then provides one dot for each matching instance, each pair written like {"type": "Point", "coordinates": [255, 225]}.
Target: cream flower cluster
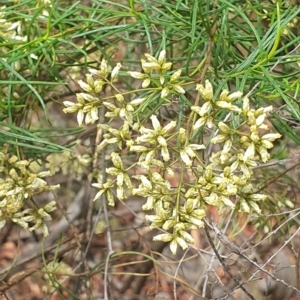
{"type": "Point", "coordinates": [163, 149]}
{"type": "Point", "coordinates": [18, 184]}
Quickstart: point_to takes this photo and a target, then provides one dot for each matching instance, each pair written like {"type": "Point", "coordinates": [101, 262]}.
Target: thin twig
{"type": "Point", "coordinates": [19, 274]}
{"type": "Point", "coordinates": [235, 249]}
{"type": "Point", "coordinates": [226, 268]}
{"type": "Point", "coordinates": [214, 256]}
{"type": "Point", "coordinates": [269, 182]}
{"type": "Point", "coordinates": [70, 215]}
{"type": "Point", "coordinates": [270, 258]}
{"type": "Point", "coordinates": [176, 273]}
{"type": "Point", "coordinates": [89, 241]}
{"type": "Point", "coordinates": [281, 225]}
{"type": "Point", "coordinates": [70, 220]}
{"type": "Point", "coordinates": [210, 266]}
{"type": "Point", "coordinates": [277, 162]}
{"type": "Point", "coordinates": [296, 210]}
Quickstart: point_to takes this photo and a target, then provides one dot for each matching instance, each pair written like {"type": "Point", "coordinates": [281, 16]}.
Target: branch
{"type": "Point", "coordinates": [226, 268]}
{"type": "Point", "coordinates": [15, 278]}
{"type": "Point", "coordinates": [235, 249]}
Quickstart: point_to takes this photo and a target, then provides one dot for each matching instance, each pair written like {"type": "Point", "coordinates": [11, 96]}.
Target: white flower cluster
{"type": "Point", "coordinates": [163, 149]}
{"type": "Point", "coordinates": [18, 184]}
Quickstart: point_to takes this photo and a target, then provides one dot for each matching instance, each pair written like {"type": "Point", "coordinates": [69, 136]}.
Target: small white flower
{"type": "Point", "coordinates": [115, 71]}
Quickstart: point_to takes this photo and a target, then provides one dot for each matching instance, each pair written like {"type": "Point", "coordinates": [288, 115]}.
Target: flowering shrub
{"type": "Point", "coordinates": [220, 178]}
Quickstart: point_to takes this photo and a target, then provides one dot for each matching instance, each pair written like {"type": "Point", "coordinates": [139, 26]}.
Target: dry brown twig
{"type": "Point", "coordinates": [278, 227]}
{"type": "Point", "coordinates": [235, 249]}
{"type": "Point", "coordinates": [226, 268]}
{"type": "Point", "coordinates": [269, 182]}
{"type": "Point", "coordinates": [70, 215]}
{"type": "Point", "coordinates": [17, 274]}
{"type": "Point", "coordinates": [176, 273]}
{"type": "Point", "coordinates": [210, 267]}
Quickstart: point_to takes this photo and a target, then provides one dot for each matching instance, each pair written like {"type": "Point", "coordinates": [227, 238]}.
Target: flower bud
{"type": "Point", "coordinates": [137, 75]}
{"type": "Point", "coordinates": [175, 75]}
{"type": "Point", "coordinates": [166, 237]}
{"type": "Point", "coordinates": [115, 71]}
{"type": "Point", "coordinates": [116, 159]}
{"type": "Point", "coordinates": [161, 57]}
{"type": "Point", "coordinates": [207, 91]}
{"type": "Point", "coordinates": [224, 128]}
